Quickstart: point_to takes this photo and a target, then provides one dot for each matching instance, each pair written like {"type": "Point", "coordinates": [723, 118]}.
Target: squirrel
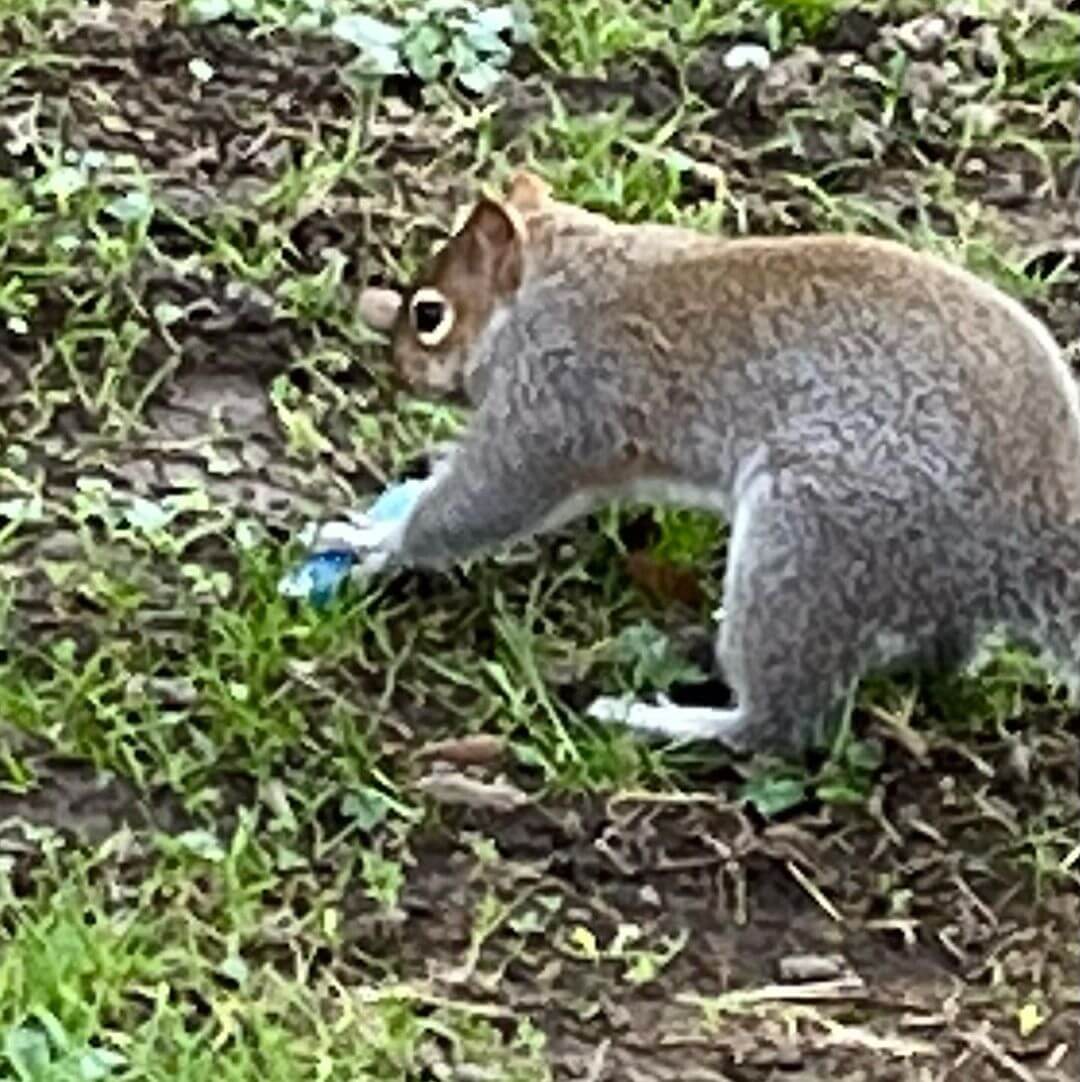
{"type": "Point", "coordinates": [894, 442]}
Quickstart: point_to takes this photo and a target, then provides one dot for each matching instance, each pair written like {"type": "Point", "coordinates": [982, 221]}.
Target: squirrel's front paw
{"type": "Point", "coordinates": [377, 528]}
{"type": "Point", "coordinates": [372, 563]}
{"type": "Point", "coordinates": [357, 534]}
{"type": "Point", "coordinates": [361, 544]}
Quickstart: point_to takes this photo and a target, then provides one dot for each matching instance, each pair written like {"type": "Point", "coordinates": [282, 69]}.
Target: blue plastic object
{"type": "Point", "coordinates": [320, 575]}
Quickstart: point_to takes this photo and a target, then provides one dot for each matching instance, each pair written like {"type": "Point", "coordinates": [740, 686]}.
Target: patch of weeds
{"type": "Point", "coordinates": [641, 963]}
{"type": "Point", "coordinates": [255, 682]}
{"type": "Point", "coordinates": [587, 757]}
{"type": "Point", "coordinates": [985, 258]}
{"type": "Point", "coordinates": [40, 1049]}
{"type": "Point", "coordinates": [307, 183]}
{"type": "Point", "coordinates": [972, 244]}
{"type": "Point", "coordinates": [67, 962]}
{"type": "Point", "coordinates": [982, 254]}
{"type": "Point", "coordinates": [777, 786]}
{"type": "Point", "coordinates": [382, 428]}
{"type": "Point", "coordinates": [806, 19]}
{"type": "Point", "coordinates": [394, 438]}
{"type": "Point", "coordinates": [448, 40]}
{"type": "Point", "coordinates": [247, 247]}
{"type": "Point", "coordinates": [455, 40]}
{"type": "Point", "coordinates": [687, 537]}
{"type": "Point", "coordinates": [847, 776]}
{"type": "Point", "coordinates": [383, 879]}
{"type": "Point", "coordinates": [1050, 850]}
{"type": "Point", "coordinates": [298, 415]}
{"type": "Point", "coordinates": [573, 753]}
{"type": "Point", "coordinates": [31, 19]}
{"type": "Point", "coordinates": [320, 298]}
{"type": "Point", "coordinates": [88, 993]}
{"type": "Point", "coordinates": [21, 508]}
{"type": "Point", "coordinates": [612, 163]}
{"type": "Point", "coordinates": [516, 674]}
{"type": "Point", "coordinates": [132, 545]}
{"type": "Point", "coordinates": [495, 660]}
{"type": "Point", "coordinates": [585, 37]}
{"type": "Point", "coordinates": [995, 689]}
{"type": "Point", "coordinates": [649, 661]}
{"type": "Point", "coordinates": [263, 660]}
{"type": "Point", "coordinates": [243, 678]}
{"type": "Point", "coordinates": [90, 694]}
{"type": "Point", "coordinates": [224, 869]}
{"type": "Point", "coordinates": [69, 243]}
{"type": "Point", "coordinates": [1044, 52]}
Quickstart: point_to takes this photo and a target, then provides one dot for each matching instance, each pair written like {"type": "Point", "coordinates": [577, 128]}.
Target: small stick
{"type": "Point", "coordinates": [814, 891]}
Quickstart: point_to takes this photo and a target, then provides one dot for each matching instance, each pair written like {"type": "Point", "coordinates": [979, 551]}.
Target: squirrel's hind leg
{"type": "Point", "coordinates": [817, 593]}
{"type": "Point", "coordinates": [819, 590]}
{"type": "Point", "coordinates": [785, 645]}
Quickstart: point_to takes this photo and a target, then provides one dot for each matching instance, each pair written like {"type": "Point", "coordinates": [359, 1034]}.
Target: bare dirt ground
{"type": "Point", "coordinates": [929, 931]}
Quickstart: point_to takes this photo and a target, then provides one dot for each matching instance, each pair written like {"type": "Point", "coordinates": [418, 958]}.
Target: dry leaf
{"type": "Point", "coordinates": [665, 581]}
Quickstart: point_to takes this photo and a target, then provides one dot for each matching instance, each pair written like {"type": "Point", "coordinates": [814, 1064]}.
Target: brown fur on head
{"type": "Point", "coordinates": [527, 192]}
{"type": "Point", "coordinates": [435, 322]}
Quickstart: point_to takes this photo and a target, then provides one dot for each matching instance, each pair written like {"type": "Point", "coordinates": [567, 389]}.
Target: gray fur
{"type": "Point", "coordinates": [896, 444]}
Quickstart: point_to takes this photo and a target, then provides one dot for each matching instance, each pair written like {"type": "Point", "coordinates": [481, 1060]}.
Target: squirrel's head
{"type": "Point", "coordinates": [434, 324]}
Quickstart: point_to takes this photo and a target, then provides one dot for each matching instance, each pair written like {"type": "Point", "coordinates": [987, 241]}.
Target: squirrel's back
{"type": "Point", "coordinates": [893, 359]}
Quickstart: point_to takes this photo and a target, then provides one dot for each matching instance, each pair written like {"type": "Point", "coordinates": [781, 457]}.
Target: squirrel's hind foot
{"type": "Point", "coordinates": [674, 722]}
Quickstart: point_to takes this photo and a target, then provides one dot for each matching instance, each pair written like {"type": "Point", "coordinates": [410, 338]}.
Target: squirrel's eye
{"type": "Point", "coordinates": [429, 315]}
{"type": "Point", "coordinates": [432, 316]}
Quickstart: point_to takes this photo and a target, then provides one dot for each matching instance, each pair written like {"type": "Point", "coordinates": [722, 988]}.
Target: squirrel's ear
{"type": "Point", "coordinates": [526, 191]}
{"type": "Point", "coordinates": [379, 307]}
{"type": "Point", "coordinates": [492, 244]}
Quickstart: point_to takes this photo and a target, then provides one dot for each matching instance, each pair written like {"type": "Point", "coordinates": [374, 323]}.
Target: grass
{"type": "Point", "coordinates": [88, 994]}
{"type": "Point", "coordinates": [218, 850]}
{"type": "Point", "coordinates": [592, 36]}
